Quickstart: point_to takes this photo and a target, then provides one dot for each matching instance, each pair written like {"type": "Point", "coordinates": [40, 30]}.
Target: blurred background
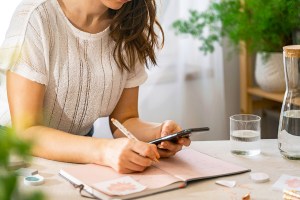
{"type": "Point", "coordinates": [196, 88]}
{"type": "Point", "coordinates": [187, 86]}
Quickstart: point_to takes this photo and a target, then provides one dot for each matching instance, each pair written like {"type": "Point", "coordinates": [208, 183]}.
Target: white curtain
{"type": "Point", "coordinates": [187, 86]}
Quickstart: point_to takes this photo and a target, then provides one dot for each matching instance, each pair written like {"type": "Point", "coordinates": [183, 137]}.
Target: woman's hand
{"type": "Point", "coordinates": [166, 148]}
{"type": "Point", "coordinates": [127, 156]}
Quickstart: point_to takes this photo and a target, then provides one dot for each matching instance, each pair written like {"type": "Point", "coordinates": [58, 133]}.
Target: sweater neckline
{"type": "Point", "coordinates": [78, 32]}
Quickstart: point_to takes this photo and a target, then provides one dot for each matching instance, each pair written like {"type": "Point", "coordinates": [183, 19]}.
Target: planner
{"type": "Point", "coordinates": [170, 173]}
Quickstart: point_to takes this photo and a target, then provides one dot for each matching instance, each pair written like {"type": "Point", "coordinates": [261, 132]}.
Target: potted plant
{"type": "Point", "coordinates": [265, 27]}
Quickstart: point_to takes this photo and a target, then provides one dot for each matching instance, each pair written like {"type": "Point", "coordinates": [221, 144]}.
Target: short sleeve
{"type": "Point", "coordinates": [22, 51]}
{"type": "Point", "coordinates": [137, 76]}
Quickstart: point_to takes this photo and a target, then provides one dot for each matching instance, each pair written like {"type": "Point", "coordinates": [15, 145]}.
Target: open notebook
{"type": "Point", "coordinates": [170, 173]}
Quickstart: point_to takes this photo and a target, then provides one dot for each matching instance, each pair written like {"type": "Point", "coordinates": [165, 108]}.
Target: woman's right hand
{"type": "Point", "coordinates": [127, 156]}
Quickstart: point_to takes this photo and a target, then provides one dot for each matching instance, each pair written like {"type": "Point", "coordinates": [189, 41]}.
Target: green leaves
{"type": "Point", "coordinates": [11, 145]}
{"type": "Point", "coordinates": [7, 185]}
{"type": "Point", "coordinates": [263, 25]}
{"type": "Point", "coordinates": [195, 26]}
{"type": "Point", "coordinates": [273, 23]}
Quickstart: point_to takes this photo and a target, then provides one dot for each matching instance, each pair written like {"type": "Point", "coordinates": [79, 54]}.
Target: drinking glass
{"type": "Point", "coordinates": [245, 134]}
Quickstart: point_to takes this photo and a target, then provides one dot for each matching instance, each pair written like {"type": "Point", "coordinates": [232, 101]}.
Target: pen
{"type": "Point", "coordinates": [123, 129]}
{"type": "Point", "coordinates": [126, 132]}
{"type": "Point", "coordinates": [291, 194]}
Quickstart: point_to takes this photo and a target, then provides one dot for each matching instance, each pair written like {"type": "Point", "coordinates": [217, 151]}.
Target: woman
{"type": "Point", "coordinates": [69, 62]}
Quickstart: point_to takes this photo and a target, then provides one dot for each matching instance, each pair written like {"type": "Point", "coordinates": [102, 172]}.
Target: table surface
{"type": "Point", "coordinates": [269, 161]}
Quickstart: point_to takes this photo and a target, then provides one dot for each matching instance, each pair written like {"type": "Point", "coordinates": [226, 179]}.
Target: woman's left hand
{"type": "Point", "coordinates": [167, 148]}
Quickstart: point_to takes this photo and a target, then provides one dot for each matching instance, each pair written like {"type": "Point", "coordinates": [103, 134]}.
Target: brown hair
{"type": "Point", "coordinates": [132, 29]}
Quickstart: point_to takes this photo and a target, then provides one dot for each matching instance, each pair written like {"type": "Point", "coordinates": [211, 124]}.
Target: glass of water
{"type": "Point", "coordinates": [245, 134]}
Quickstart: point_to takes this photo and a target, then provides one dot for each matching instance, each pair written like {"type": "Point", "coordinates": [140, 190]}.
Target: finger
{"type": "Point", "coordinates": [130, 168]}
{"type": "Point", "coordinates": [146, 150]}
{"type": "Point", "coordinates": [124, 167]}
{"type": "Point", "coordinates": [134, 167]}
{"type": "Point", "coordinates": [184, 141]}
{"type": "Point", "coordinates": [141, 160]}
{"type": "Point", "coordinates": [124, 171]}
{"type": "Point", "coordinates": [129, 163]}
{"type": "Point", "coordinates": [169, 127]}
{"type": "Point", "coordinates": [165, 153]}
{"type": "Point", "coordinates": [171, 146]}
{"type": "Point", "coordinates": [154, 148]}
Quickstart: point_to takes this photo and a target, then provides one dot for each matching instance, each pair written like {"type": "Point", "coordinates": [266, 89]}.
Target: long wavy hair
{"type": "Point", "coordinates": [133, 29]}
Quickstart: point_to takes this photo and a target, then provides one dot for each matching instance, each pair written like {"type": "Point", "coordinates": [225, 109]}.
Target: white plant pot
{"type": "Point", "coordinates": [269, 74]}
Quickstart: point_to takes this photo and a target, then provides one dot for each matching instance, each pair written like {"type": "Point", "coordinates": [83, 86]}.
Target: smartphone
{"type": "Point", "coordinates": [175, 136]}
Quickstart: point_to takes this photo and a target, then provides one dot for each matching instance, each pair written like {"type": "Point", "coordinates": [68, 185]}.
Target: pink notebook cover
{"type": "Point", "coordinates": [186, 165]}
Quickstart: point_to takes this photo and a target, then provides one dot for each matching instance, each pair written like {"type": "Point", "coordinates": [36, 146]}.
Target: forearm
{"type": "Point", "coordinates": [144, 131]}
{"type": "Point", "coordinates": [61, 146]}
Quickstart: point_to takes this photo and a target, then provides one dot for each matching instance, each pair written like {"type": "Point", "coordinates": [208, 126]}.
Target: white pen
{"type": "Point", "coordinates": [123, 129]}
{"type": "Point", "coordinates": [126, 132]}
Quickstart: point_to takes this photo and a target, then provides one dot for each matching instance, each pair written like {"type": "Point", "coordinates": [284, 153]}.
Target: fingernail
{"type": "Point", "coordinates": [157, 156]}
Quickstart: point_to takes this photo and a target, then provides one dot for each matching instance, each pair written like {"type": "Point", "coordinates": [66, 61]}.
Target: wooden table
{"type": "Point", "coordinates": [269, 161]}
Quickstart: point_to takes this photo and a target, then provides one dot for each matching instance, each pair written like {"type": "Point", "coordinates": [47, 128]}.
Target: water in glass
{"type": "Point", "coordinates": [245, 134]}
{"type": "Point", "coordinates": [289, 123]}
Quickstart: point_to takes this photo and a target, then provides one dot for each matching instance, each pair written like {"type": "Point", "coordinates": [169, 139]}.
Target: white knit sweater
{"type": "Point", "coordinates": [81, 77]}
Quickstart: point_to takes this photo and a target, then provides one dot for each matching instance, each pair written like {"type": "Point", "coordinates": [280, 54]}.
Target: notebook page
{"type": "Point", "coordinates": [189, 164]}
{"type": "Point", "coordinates": [92, 174]}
